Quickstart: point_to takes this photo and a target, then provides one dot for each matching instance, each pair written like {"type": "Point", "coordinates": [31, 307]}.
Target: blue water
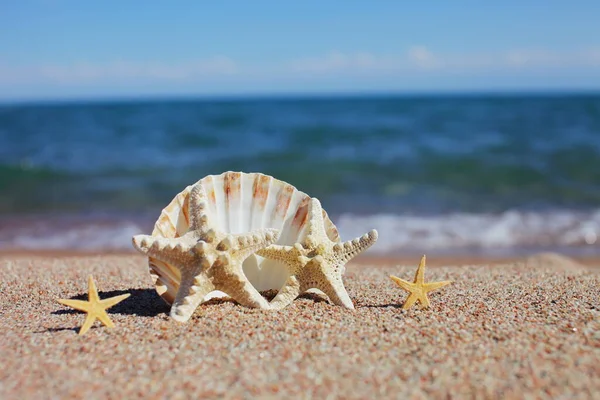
{"type": "Point", "coordinates": [420, 166]}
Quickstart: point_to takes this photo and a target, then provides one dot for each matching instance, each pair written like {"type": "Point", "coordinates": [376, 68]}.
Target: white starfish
{"type": "Point", "coordinates": [207, 259]}
{"type": "Point", "coordinates": [317, 262]}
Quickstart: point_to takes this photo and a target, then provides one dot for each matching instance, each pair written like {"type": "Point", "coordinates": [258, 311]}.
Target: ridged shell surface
{"type": "Point", "coordinates": [239, 203]}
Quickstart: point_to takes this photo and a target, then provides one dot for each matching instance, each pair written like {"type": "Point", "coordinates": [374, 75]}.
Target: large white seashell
{"type": "Point", "coordinates": [239, 203]}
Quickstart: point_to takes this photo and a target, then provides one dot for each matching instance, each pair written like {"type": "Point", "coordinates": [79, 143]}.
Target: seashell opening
{"type": "Point", "coordinates": [238, 203]}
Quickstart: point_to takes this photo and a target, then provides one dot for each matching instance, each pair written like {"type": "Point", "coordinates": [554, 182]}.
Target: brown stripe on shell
{"type": "Point", "coordinates": [185, 208]}
{"type": "Point", "coordinates": [182, 203]}
{"type": "Point", "coordinates": [164, 226]}
{"type": "Point", "coordinates": [301, 214]}
{"type": "Point", "coordinates": [284, 197]}
{"type": "Point", "coordinates": [211, 196]}
{"type": "Point", "coordinates": [261, 190]}
{"type": "Point", "coordinates": [232, 182]}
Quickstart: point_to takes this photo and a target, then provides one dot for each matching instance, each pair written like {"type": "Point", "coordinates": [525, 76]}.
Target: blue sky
{"type": "Point", "coordinates": [55, 49]}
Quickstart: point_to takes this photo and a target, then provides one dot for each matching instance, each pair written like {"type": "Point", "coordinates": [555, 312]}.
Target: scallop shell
{"type": "Point", "coordinates": [239, 202]}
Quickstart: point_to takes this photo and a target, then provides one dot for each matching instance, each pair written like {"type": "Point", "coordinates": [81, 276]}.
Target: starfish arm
{"type": "Point", "coordinates": [277, 253]}
{"type": "Point", "coordinates": [316, 224]}
{"type": "Point", "coordinates": [352, 248]}
{"type": "Point", "coordinates": [197, 208]}
{"type": "Point", "coordinates": [420, 274]}
{"type": "Point", "coordinates": [287, 294]}
{"type": "Point", "coordinates": [410, 301]}
{"type": "Point", "coordinates": [105, 319]}
{"type": "Point", "coordinates": [76, 304]}
{"type": "Point", "coordinates": [192, 291]}
{"type": "Point", "coordinates": [405, 285]}
{"type": "Point", "coordinates": [87, 324]}
{"type": "Point", "coordinates": [249, 243]}
{"type": "Point", "coordinates": [107, 303]}
{"type": "Point", "coordinates": [174, 251]}
{"type": "Point", "coordinates": [332, 286]}
{"type": "Point", "coordinates": [92, 291]}
{"type": "Point", "coordinates": [244, 293]}
{"type": "Point", "coordinates": [431, 286]}
{"type": "Point", "coordinates": [229, 278]}
{"type": "Point", "coordinates": [424, 300]}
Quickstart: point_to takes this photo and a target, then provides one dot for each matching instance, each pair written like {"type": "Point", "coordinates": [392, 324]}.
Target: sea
{"type": "Point", "coordinates": [472, 174]}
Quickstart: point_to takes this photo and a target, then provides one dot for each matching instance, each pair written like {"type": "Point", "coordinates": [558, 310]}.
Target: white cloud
{"type": "Point", "coordinates": [512, 59]}
{"type": "Point", "coordinates": [411, 61]}
{"type": "Point", "coordinates": [420, 57]}
{"type": "Point", "coordinates": [423, 57]}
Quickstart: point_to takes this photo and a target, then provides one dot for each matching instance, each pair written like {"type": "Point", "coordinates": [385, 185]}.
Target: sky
{"type": "Point", "coordinates": [53, 49]}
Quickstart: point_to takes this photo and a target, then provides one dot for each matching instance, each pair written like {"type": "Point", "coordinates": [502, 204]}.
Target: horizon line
{"type": "Point", "coordinates": [295, 95]}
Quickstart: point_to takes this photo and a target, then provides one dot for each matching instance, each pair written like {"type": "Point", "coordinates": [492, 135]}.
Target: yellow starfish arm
{"type": "Point", "coordinates": [428, 287]}
{"type": "Point", "coordinates": [103, 317]}
{"type": "Point", "coordinates": [76, 304]}
{"type": "Point", "coordinates": [89, 321]}
{"type": "Point", "coordinates": [92, 291]}
{"type": "Point", "coordinates": [408, 286]}
{"type": "Point", "coordinates": [410, 301]}
{"type": "Point", "coordinates": [352, 248]}
{"type": "Point", "coordinates": [424, 300]}
{"type": "Point", "coordinates": [420, 274]}
{"type": "Point", "coordinates": [107, 303]}
{"type": "Point", "coordinates": [197, 208]}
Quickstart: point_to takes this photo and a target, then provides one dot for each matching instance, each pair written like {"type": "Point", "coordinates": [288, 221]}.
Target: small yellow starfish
{"type": "Point", "coordinates": [418, 289]}
{"type": "Point", "coordinates": [94, 307]}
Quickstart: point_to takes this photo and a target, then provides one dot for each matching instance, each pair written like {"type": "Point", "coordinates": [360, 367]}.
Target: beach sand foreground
{"type": "Point", "coordinates": [499, 331]}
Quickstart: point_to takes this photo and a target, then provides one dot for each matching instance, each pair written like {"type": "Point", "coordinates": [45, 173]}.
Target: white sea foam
{"type": "Point", "coordinates": [454, 232]}
{"type": "Point", "coordinates": [93, 236]}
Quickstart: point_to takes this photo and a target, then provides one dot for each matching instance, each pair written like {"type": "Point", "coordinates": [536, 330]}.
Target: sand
{"type": "Point", "coordinates": [523, 329]}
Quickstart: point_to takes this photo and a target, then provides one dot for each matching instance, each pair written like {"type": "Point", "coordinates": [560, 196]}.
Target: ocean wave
{"type": "Point", "coordinates": [475, 154]}
{"type": "Point", "coordinates": [76, 236]}
{"type": "Point", "coordinates": [468, 231]}
{"type": "Point", "coordinates": [578, 231]}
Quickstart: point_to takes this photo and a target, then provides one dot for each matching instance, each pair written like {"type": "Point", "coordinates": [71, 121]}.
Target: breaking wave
{"type": "Point", "coordinates": [458, 232]}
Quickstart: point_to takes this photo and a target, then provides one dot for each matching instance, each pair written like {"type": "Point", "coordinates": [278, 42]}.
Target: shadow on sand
{"type": "Point", "coordinates": [147, 303]}
{"type": "Point", "coordinates": [142, 302]}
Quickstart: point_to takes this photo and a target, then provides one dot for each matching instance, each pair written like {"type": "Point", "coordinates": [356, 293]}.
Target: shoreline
{"type": "Point", "coordinates": [433, 260]}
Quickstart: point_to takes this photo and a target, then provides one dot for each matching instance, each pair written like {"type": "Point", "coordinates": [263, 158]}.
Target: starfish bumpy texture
{"type": "Point", "coordinates": [207, 259]}
{"type": "Point", "coordinates": [418, 289]}
{"type": "Point", "coordinates": [317, 262]}
{"type": "Point", "coordinates": [94, 307]}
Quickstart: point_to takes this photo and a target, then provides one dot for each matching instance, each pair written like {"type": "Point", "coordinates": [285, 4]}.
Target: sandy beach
{"type": "Point", "coordinates": [501, 330]}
